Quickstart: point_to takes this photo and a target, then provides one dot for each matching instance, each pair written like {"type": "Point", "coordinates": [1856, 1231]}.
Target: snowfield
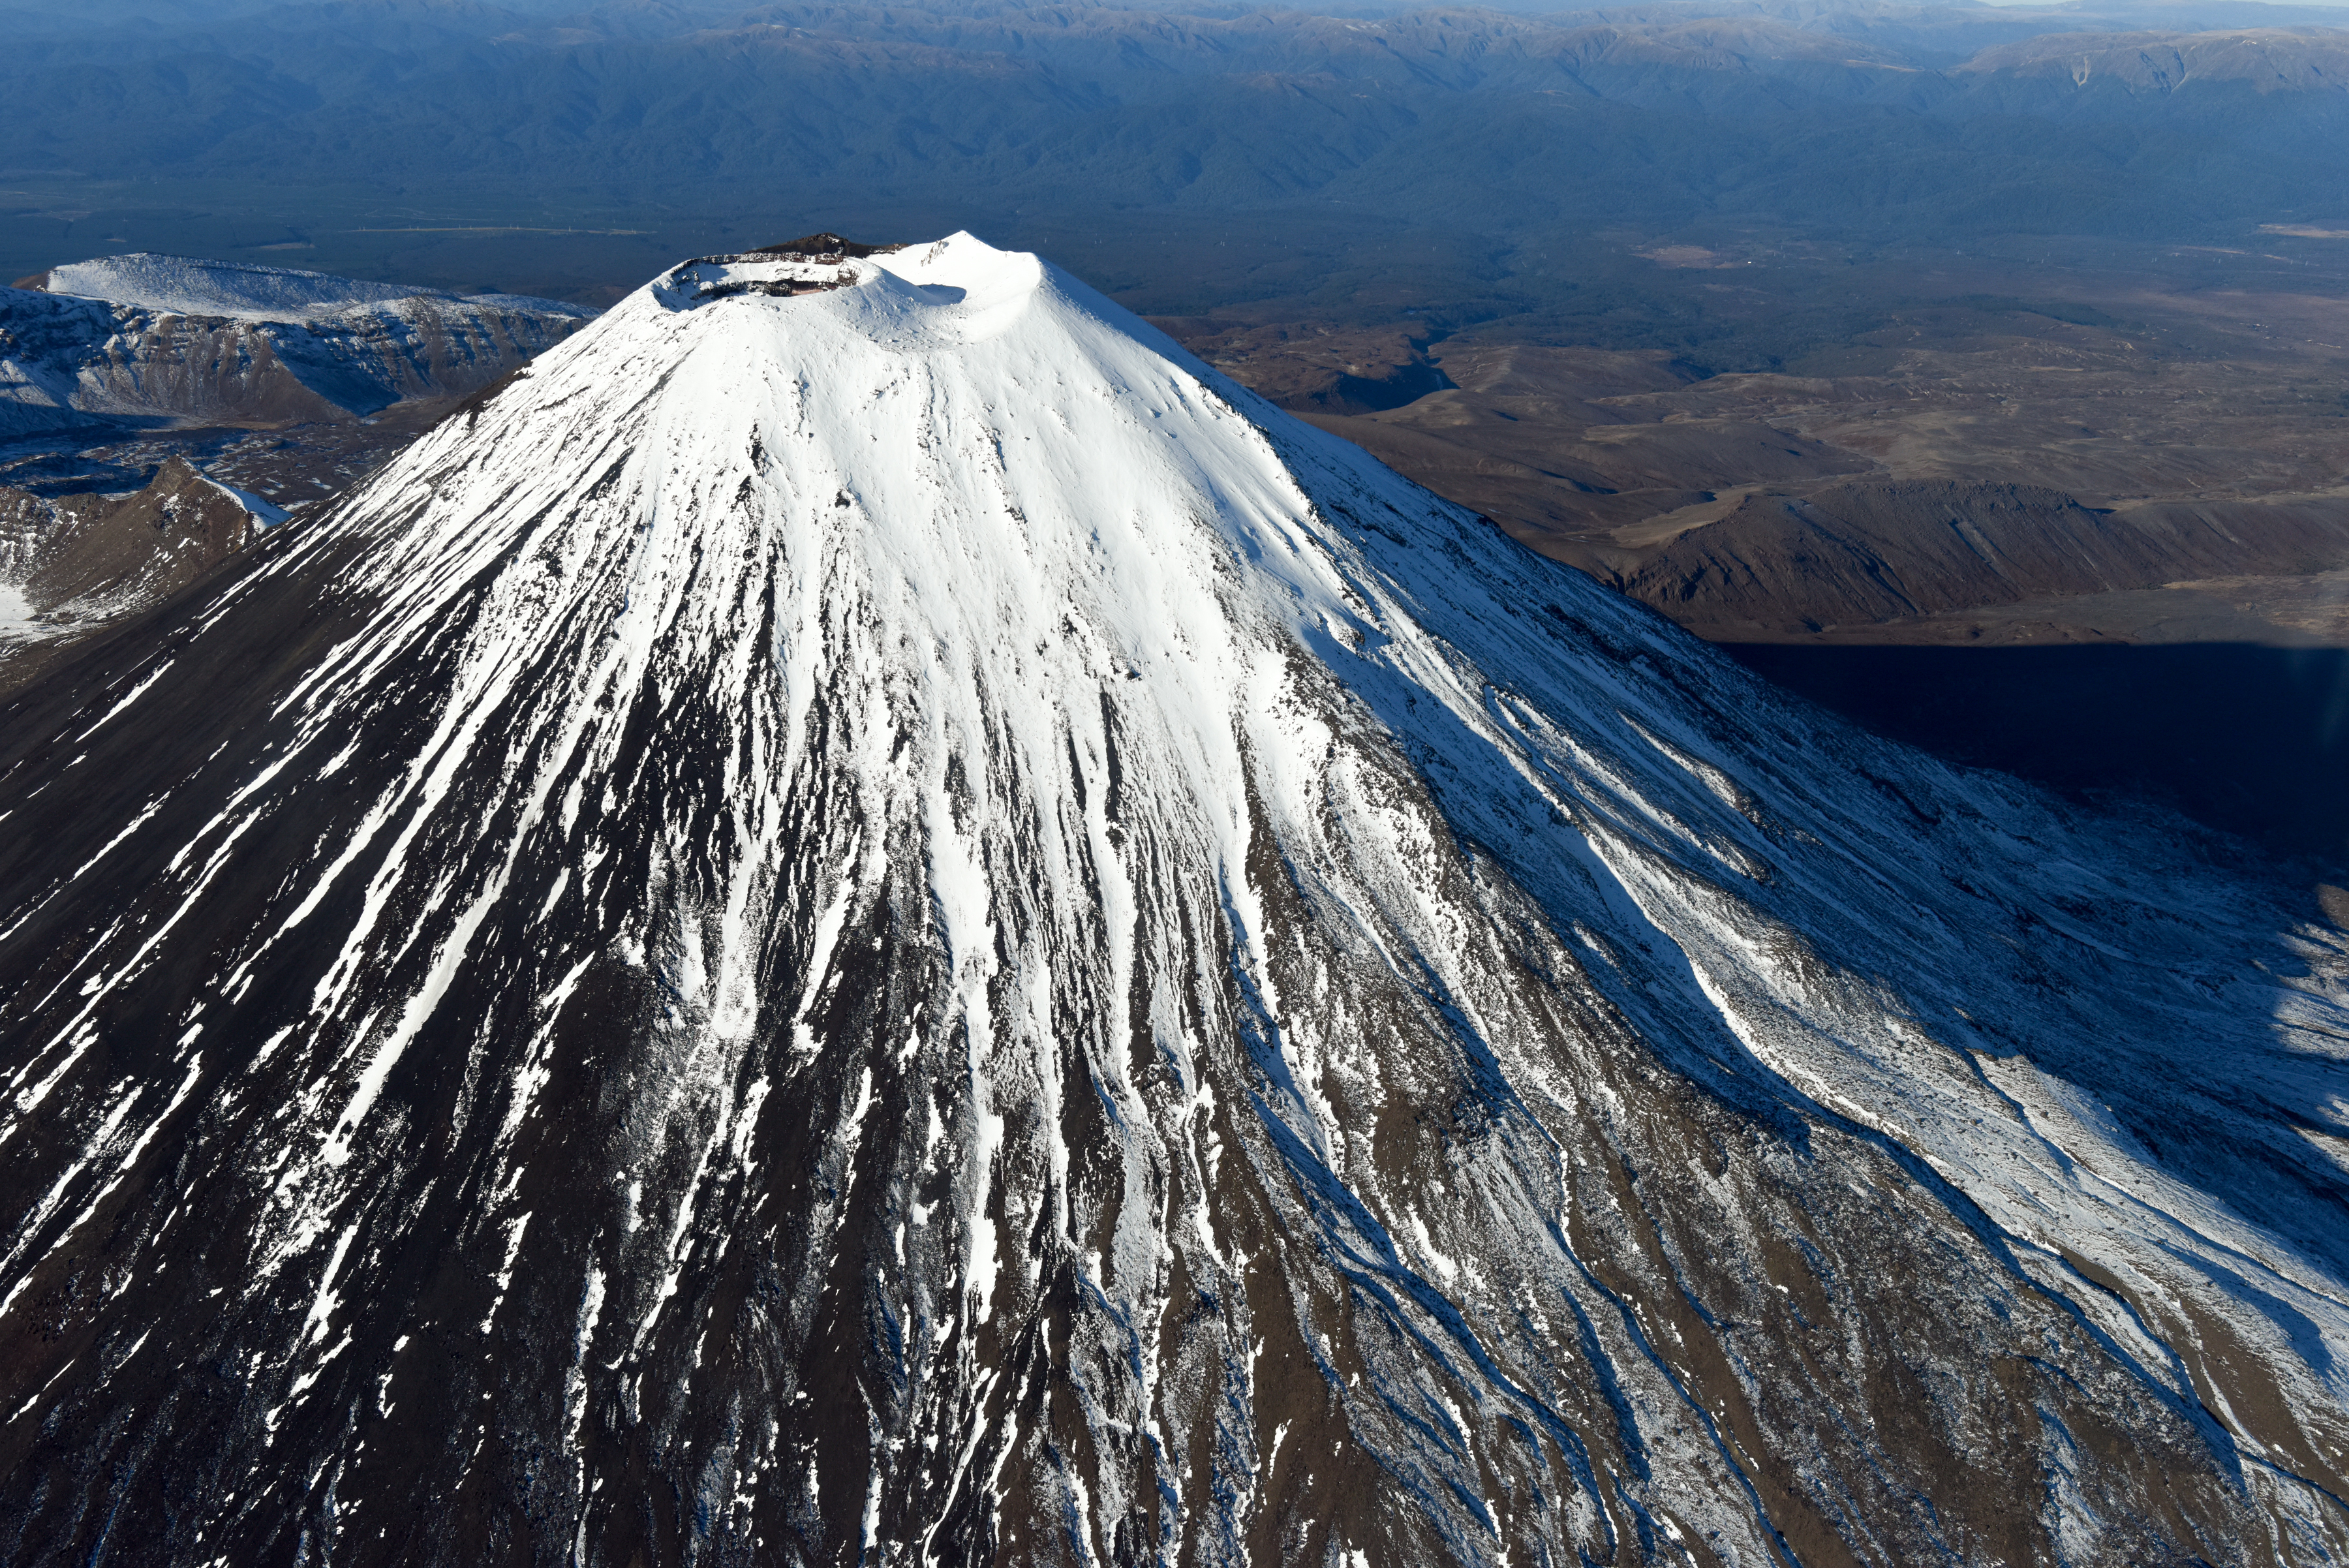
{"type": "Point", "coordinates": [895, 924]}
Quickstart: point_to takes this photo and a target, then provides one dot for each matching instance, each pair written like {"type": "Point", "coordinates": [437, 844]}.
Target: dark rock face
{"type": "Point", "coordinates": [894, 925]}
{"type": "Point", "coordinates": [825, 247]}
{"type": "Point", "coordinates": [134, 548]}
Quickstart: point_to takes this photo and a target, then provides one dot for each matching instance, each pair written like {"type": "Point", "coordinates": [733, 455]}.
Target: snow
{"type": "Point", "coordinates": [957, 585]}
{"type": "Point", "coordinates": [244, 291]}
{"type": "Point", "coordinates": [1050, 502]}
{"type": "Point", "coordinates": [186, 341]}
{"type": "Point", "coordinates": [268, 513]}
{"type": "Point", "coordinates": [17, 614]}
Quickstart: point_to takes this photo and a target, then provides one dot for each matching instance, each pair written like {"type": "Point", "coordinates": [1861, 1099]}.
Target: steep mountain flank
{"type": "Point", "coordinates": [894, 925]}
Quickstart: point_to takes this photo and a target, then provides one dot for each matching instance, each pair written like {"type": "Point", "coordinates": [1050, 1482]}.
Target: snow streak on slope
{"type": "Point", "coordinates": [896, 925]}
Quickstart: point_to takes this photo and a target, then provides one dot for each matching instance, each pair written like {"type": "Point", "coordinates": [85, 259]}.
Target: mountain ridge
{"type": "Point", "coordinates": [74, 563]}
{"type": "Point", "coordinates": [1872, 550]}
{"type": "Point", "coordinates": [176, 340]}
{"type": "Point", "coordinates": [1859, 122]}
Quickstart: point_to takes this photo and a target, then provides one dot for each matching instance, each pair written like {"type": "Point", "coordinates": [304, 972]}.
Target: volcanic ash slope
{"type": "Point", "coordinates": [893, 925]}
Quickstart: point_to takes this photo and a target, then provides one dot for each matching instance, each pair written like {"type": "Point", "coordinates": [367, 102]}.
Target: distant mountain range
{"type": "Point", "coordinates": [459, 135]}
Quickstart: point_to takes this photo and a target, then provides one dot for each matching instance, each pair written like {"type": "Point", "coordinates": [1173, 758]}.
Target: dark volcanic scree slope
{"type": "Point", "coordinates": [890, 923]}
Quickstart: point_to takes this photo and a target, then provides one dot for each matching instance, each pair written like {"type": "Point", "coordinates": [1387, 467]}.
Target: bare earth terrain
{"type": "Point", "coordinates": [1615, 461]}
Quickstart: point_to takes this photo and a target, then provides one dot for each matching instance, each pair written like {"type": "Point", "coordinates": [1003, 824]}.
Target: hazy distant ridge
{"type": "Point", "coordinates": [1923, 119]}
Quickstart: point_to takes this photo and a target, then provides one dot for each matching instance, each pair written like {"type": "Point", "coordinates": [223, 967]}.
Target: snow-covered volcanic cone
{"type": "Point", "coordinates": [894, 925]}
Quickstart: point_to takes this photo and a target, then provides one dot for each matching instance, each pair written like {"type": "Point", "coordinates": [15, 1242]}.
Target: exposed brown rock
{"type": "Point", "coordinates": [824, 248]}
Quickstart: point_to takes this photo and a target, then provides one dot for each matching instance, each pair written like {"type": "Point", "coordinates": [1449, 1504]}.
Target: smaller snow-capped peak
{"type": "Point", "coordinates": [204, 342]}
{"type": "Point", "coordinates": [242, 291]}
